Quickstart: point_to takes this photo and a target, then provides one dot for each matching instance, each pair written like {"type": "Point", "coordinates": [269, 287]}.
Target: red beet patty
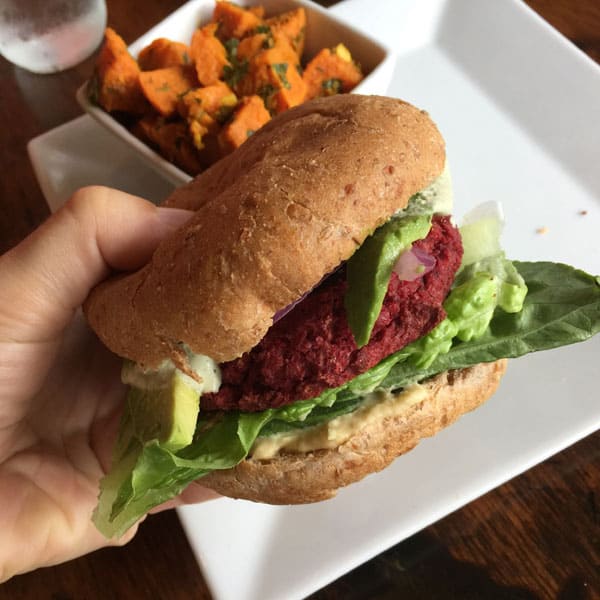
{"type": "Point", "coordinates": [312, 348]}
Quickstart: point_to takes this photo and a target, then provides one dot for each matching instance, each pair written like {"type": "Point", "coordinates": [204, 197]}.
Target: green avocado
{"type": "Point", "coordinates": [369, 270]}
{"type": "Point", "coordinates": [167, 413]}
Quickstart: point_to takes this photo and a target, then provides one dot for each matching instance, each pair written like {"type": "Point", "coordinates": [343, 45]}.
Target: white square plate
{"type": "Point", "coordinates": [323, 30]}
{"type": "Point", "coordinates": [519, 107]}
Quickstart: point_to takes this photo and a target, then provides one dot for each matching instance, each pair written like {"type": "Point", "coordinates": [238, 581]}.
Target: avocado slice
{"type": "Point", "coordinates": [167, 412]}
{"type": "Point", "coordinates": [369, 269]}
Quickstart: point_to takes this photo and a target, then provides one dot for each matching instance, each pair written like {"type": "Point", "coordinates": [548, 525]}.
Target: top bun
{"type": "Point", "coordinates": [271, 219]}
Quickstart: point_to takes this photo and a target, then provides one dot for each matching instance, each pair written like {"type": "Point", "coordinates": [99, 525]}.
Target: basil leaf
{"type": "Point", "coordinates": [562, 307]}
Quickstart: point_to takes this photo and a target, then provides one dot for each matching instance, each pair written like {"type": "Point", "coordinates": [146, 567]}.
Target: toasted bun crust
{"type": "Point", "coordinates": [303, 478]}
{"type": "Point", "coordinates": [271, 219]}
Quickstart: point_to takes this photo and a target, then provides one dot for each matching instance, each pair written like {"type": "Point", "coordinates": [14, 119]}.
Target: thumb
{"type": "Point", "coordinates": [48, 275]}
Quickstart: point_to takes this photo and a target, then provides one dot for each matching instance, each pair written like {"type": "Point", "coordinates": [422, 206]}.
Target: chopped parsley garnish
{"type": "Point", "coordinates": [281, 72]}
{"type": "Point", "coordinates": [224, 113]}
{"type": "Point", "coordinates": [332, 86]}
{"type": "Point", "coordinates": [299, 38]}
{"type": "Point", "coordinates": [231, 46]}
{"type": "Point", "coordinates": [236, 70]}
{"type": "Point", "coordinates": [234, 74]}
{"type": "Point", "coordinates": [265, 92]}
{"type": "Point", "coordinates": [268, 42]}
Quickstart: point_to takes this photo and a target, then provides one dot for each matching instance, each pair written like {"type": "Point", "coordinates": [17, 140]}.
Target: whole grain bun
{"type": "Point", "coordinates": [302, 478]}
{"type": "Point", "coordinates": [271, 219]}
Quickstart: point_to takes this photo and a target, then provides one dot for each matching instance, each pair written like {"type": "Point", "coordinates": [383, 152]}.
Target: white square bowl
{"type": "Point", "coordinates": [323, 30]}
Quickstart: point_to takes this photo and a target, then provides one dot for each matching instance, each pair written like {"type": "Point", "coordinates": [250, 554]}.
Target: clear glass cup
{"type": "Point", "coordinates": [46, 36]}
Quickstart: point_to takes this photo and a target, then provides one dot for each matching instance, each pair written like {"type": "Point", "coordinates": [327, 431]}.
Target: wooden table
{"type": "Point", "coordinates": [537, 536]}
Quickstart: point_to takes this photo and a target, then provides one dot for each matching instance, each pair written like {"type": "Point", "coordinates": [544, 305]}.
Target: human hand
{"type": "Point", "coordinates": [60, 392]}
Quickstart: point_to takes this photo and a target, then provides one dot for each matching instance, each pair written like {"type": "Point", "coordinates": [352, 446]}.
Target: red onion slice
{"type": "Point", "coordinates": [412, 264]}
{"type": "Point", "coordinates": [284, 311]}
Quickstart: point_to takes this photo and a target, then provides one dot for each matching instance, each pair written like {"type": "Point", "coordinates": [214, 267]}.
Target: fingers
{"type": "Point", "coordinates": [49, 275]}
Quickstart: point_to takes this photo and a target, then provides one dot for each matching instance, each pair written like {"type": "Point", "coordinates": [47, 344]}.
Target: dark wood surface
{"type": "Point", "coordinates": [537, 536]}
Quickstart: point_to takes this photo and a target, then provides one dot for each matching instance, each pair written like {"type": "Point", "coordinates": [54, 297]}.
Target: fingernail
{"type": "Point", "coordinates": [173, 218]}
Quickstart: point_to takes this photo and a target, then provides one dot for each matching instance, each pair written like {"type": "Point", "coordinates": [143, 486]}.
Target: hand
{"type": "Point", "coordinates": [60, 393]}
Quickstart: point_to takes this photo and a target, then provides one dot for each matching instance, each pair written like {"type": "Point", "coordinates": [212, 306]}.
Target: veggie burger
{"type": "Point", "coordinates": [318, 315]}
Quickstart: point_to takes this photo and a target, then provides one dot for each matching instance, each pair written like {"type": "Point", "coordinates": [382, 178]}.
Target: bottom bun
{"type": "Point", "coordinates": [292, 478]}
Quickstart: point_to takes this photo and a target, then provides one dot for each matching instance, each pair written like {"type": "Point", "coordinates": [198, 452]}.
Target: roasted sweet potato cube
{"type": "Point", "coordinates": [163, 53]}
{"type": "Point", "coordinates": [205, 108]}
{"type": "Point", "coordinates": [275, 78]}
{"type": "Point", "coordinates": [292, 24]}
{"type": "Point", "coordinates": [164, 87]}
{"type": "Point", "coordinates": [116, 77]}
{"type": "Point", "coordinates": [234, 21]}
{"type": "Point", "coordinates": [258, 58]}
{"type": "Point", "coordinates": [251, 45]}
{"type": "Point", "coordinates": [331, 71]}
{"type": "Point", "coordinates": [217, 100]}
{"type": "Point", "coordinates": [292, 91]}
{"type": "Point", "coordinates": [209, 54]}
{"type": "Point", "coordinates": [172, 141]}
{"type": "Point", "coordinates": [248, 117]}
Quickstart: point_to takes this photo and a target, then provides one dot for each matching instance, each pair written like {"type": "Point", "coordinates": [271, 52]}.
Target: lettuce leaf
{"type": "Point", "coordinates": [146, 473]}
{"type": "Point", "coordinates": [480, 231]}
{"type": "Point", "coordinates": [562, 307]}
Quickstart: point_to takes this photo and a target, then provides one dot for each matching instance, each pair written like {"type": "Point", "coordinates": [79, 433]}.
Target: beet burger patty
{"type": "Point", "coordinates": [312, 347]}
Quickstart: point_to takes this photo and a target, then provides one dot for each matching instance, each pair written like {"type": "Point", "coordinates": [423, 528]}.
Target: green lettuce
{"type": "Point", "coordinates": [562, 307]}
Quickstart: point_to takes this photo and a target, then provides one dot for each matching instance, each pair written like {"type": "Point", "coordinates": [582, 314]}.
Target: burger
{"type": "Point", "coordinates": [318, 315]}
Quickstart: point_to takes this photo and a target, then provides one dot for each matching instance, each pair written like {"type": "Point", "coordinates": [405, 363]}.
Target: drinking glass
{"type": "Point", "coordinates": [46, 36]}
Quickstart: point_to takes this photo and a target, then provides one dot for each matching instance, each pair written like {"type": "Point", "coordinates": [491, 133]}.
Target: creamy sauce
{"type": "Point", "coordinates": [376, 407]}
{"type": "Point", "coordinates": [440, 192]}
{"type": "Point", "coordinates": [436, 198]}
{"type": "Point", "coordinates": [205, 367]}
